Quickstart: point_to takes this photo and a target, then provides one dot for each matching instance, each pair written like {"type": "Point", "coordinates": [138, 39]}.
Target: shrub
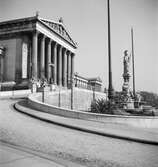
{"type": "Point", "coordinates": [101, 106]}
{"type": "Point", "coordinates": [150, 98]}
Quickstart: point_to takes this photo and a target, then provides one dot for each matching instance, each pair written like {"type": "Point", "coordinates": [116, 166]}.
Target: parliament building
{"type": "Point", "coordinates": [35, 48]}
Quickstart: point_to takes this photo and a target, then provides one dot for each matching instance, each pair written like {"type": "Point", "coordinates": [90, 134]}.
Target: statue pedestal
{"type": "Point", "coordinates": [128, 102]}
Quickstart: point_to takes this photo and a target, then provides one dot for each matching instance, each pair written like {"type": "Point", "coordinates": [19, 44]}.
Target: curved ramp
{"type": "Point", "coordinates": [114, 130]}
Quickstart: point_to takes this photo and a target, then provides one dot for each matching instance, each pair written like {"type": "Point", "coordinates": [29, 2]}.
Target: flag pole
{"type": "Point", "coordinates": [134, 93]}
{"type": "Point", "coordinates": [110, 89]}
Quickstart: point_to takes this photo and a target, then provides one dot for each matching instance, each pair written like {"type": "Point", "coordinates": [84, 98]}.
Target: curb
{"type": "Point", "coordinates": [30, 112]}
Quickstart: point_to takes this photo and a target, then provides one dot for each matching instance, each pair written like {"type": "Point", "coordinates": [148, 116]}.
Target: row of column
{"type": "Point", "coordinates": [81, 83]}
{"type": "Point", "coordinates": [57, 63]}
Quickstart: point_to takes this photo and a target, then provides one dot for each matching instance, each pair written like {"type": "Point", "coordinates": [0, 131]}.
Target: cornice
{"type": "Point", "coordinates": [29, 24]}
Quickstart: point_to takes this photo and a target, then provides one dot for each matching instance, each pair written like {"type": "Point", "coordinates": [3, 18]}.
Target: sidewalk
{"type": "Point", "coordinates": [11, 156]}
{"type": "Point", "coordinates": [142, 135]}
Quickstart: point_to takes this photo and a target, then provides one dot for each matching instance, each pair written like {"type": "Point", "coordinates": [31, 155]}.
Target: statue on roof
{"type": "Point", "coordinates": [37, 13]}
{"type": "Point", "coordinates": [60, 20]}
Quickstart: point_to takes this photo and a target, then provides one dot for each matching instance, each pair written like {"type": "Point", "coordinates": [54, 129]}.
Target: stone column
{"type": "Point", "coordinates": [42, 58]}
{"type": "Point", "coordinates": [60, 66]}
{"type": "Point", "coordinates": [68, 69]}
{"type": "Point", "coordinates": [1, 68]}
{"type": "Point", "coordinates": [64, 68]}
{"type": "Point", "coordinates": [49, 61]}
{"type": "Point", "coordinates": [55, 63]}
{"type": "Point", "coordinates": [34, 54]}
{"type": "Point", "coordinates": [72, 65]}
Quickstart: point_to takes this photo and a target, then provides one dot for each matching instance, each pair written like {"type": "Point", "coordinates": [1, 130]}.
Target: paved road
{"type": "Point", "coordinates": [110, 129]}
{"type": "Point", "coordinates": [79, 147]}
{"type": "Point", "coordinates": [11, 157]}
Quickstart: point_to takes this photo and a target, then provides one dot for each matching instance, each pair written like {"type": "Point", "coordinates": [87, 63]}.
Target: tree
{"type": "Point", "coordinates": [149, 98]}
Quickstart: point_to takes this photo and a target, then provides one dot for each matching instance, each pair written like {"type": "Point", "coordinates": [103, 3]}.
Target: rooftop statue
{"type": "Point", "coordinates": [61, 20]}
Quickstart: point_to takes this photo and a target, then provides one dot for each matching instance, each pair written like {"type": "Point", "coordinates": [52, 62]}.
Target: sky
{"type": "Point", "coordinates": [86, 20]}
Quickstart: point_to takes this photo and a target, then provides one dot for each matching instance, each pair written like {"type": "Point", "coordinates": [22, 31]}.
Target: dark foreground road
{"type": "Point", "coordinates": [76, 146]}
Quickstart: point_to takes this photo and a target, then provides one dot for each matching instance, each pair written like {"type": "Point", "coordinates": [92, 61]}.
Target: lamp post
{"type": "Point", "coordinates": [51, 82]}
{"type": "Point", "coordinates": [43, 85]}
{"type": "Point", "coordinates": [72, 98]}
{"type": "Point", "coordinates": [42, 94]}
{"type": "Point", "coordinates": [59, 104]}
{"type": "Point", "coordinates": [2, 54]}
{"type": "Point", "coordinates": [110, 89]}
{"type": "Point", "coordinates": [134, 92]}
{"type": "Point", "coordinates": [93, 87]}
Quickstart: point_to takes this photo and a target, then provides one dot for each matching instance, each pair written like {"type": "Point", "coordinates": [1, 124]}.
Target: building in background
{"type": "Point", "coordinates": [94, 84]}
{"type": "Point", "coordinates": [34, 48]}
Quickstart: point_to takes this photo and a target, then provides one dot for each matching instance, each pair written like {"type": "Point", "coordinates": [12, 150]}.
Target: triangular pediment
{"type": "Point", "coordinates": [60, 29]}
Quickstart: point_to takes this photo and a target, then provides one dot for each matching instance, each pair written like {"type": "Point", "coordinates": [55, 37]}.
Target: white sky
{"type": "Point", "coordinates": [86, 20]}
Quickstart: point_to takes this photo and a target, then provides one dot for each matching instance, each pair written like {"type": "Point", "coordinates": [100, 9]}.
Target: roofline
{"type": "Point", "coordinates": [18, 20]}
{"type": "Point", "coordinates": [74, 45]}
{"type": "Point", "coordinates": [94, 79]}
{"type": "Point", "coordinates": [50, 20]}
{"type": "Point", "coordinates": [76, 74]}
{"type": "Point", "coordinates": [89, 79]}
{"type": "Point", "coordinates": [36, 18]}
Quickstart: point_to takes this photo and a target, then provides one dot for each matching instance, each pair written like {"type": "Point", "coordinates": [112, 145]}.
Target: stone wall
{"type": "Point", "coordinates": [137, 121]}
{"type": "Point", "coordinates": [82, 98]}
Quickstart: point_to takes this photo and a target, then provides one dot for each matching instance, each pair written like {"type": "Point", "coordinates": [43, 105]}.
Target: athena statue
{"type": "Point", "coordinates": [126, 62]}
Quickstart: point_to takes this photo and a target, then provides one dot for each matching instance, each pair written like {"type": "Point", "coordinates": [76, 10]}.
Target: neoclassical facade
{"type": "Point", "coordinates": [36, 48]}
{"type": "Point", "coordinates": [94, 84]}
